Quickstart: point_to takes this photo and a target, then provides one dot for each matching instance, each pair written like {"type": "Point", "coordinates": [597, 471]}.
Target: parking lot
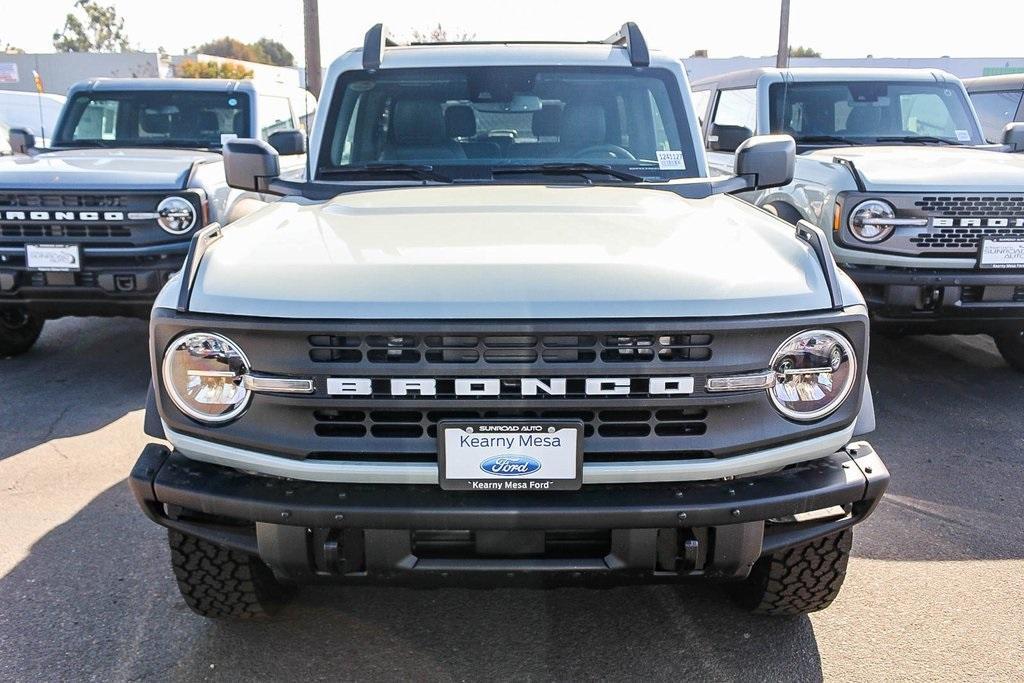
{"type": "Point", "coordinates": [86, 592]}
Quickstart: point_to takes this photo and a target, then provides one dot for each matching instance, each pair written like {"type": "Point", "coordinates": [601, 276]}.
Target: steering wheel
{"type": "Point", "coordinates": [609, 150]}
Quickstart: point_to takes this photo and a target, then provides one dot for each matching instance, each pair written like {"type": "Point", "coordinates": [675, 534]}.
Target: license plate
{"type": "Point", "coordinates": [510, 456]}
{"type": "Point", "coordinates": [998, 252]}
{"type": "Point", "coordinates": [53, 257]}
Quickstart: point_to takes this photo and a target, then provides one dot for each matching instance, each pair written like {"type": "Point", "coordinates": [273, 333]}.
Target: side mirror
{"type": "Point", "coordinates": [1013, 137]}
{"type": "Point", "coordinates": [250, 164]}
{"type": "Point", "coordinates": [766, 161]}
{"type": "Point", "coordinates": [288, 142]}
{"type": "Point", "coordinates": [22, 140]}
{"type": "Point", "coordinates": [727, 138]}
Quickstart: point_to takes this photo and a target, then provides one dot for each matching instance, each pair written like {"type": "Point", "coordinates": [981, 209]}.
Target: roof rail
{"type": "Point", "coordinates": [373, 47]}
{"type": "Point", "coordinates": [629, 36]}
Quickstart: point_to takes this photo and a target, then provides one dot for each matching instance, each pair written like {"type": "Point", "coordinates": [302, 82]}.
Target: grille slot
{"type": "Point", "coordinates": [960, 239]}
{"type": "Point", "coordinates": [458, 349]}
{"type": "Point", "coordinates": [64, 231]}
{"type": "Point", "coordinates": [61, 201]}
{"type": "Point", "coordinates": [976, 205]}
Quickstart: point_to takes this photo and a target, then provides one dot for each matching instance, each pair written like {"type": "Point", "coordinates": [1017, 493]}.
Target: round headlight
{"type": "Point", "coordinates": [814, 373]}
{"type": "Point", "coordinates": [176, 215]}
{"type": "Point", "coordinates": [203, 374]}
{"type": "Point", "coordinates": [867, 221]}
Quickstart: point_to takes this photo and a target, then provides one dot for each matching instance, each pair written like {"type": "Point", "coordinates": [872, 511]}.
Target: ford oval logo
{"type": "Point", "coordinates": [510, 465]}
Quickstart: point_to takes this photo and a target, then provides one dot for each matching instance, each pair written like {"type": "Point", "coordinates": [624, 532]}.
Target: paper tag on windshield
{"type": "Point", "coordinates": [963, 135]}
{"type": "Point", "coordinates": [671, 161]}
{"type": "Point", "coordinates": [224, 137]}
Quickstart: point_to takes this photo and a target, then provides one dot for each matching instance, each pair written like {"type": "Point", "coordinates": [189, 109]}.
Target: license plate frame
{"type": "Point", "coordinates": [53, 258]}
{"type": "Point", "coordinates": [466, 462]}
{"type": "Point", "coordinates": [1004, 253]}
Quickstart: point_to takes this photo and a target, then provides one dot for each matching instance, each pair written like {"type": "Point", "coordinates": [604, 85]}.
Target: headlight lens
{"type": "Point", "coordinates": [176, 215]}
{"type": "Point", "coordinates": [867, 221]}
{"type": "Point", "coordinates": [814, 372]}
{"type": "Point", "coordinates": [203, 373]}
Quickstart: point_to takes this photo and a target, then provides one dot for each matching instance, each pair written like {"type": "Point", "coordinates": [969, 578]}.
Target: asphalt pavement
{"type": "Point", "coordinates": [935, 590]}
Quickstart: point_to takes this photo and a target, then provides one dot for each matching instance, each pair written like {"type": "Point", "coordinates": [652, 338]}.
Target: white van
{"type": "Point", "coordinates": [36, 112]}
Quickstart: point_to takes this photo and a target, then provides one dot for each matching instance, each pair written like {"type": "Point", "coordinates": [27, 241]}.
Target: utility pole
{"type": "Point", "coordinates": [782, 57]}
{"type": "Point", "coordinates": [311, 19]}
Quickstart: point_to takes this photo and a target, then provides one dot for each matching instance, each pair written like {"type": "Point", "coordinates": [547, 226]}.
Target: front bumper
{"type": "Point", "coordinates": [310, 531]}
{"type": "Point", "coordinates": [112, 281]}
{"type": "Point", "coordinates": [966, 301]}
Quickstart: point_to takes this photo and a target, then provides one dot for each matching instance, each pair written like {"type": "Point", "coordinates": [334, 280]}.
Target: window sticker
{"type": "Point", "coordinates": [963, 135]}
{"type": "Point", "coordinates": [671, 160]}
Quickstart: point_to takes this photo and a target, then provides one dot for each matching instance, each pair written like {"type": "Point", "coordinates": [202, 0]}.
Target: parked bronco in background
{"type": "Point", "coordinates": [509, 329]}
{"type": "Point", "coordinates": [999, 100]}
{"type": "Point", "coordinates": [96, 224]}
{"type": "Point", "coordinates": [929, 226]}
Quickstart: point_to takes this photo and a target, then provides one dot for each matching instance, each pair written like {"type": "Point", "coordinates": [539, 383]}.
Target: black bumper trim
{"type": "Point", "coordinates": [937, 278]}
{"type": "Point", "coordinates": [165, 481]}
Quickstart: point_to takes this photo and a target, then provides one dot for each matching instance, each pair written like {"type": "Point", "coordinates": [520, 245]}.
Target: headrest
{"type": "Point", "coordinates": [583, 124]}
{"type": "Point", "coordinates": [547, 121]}
{"type": "Point", "coordinates": [418, 122]}
{"type": "Point", "coordinates": [864, 119]}
{"type": "Point", "coordinates": [460, 121]}
{"type": "Point", "coordinates": [155, 124]}
{"type": "Point", "coordinates": [207, 121]}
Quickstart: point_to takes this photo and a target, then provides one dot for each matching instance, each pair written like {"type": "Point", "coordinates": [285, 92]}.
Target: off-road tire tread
{"type": "Point", "coordinates": [18, 340]}
{"type": "Point", "coordinates": [221, 583]}
{"type": "Point", "coordinates": [804, 578]}
{"type": "Point", "coordinates": [1011, 347]}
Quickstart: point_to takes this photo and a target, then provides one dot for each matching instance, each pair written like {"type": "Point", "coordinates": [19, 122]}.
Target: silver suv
{"type": "Point", "coordinates": [509, 330]}
{"type": "Point", "coordinates": [923, 214]}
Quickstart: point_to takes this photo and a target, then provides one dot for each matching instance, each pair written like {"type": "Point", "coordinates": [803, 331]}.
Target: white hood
{"type": "Point", "coordinates": [487, 252]}
{"type": "Point", "coordinates": [926, 168]}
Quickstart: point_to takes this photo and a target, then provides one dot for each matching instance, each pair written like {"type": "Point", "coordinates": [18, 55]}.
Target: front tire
{"type": "Point", "coordinates": [220, 583]}
{"type": "Point", "coordinates": [1011, 346]}
{"type": "Point", "coordinates": [804, 578]}
{"type": "Point", "coordinates": [19, 330]}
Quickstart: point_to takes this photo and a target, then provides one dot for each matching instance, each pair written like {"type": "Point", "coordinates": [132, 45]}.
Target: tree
{"type": "Point", "coordinates": [274, 52]}
{"type": "Point", "coordinates": [91, 28]}
{"type": "Point", "coordinates": [801, 51]}
{"type": "Point", "coordinates": [231, 48]}
{"type": "Point", "coordinates": [231, 70]}
{"type": "Point", "coordinates": [439, 34]}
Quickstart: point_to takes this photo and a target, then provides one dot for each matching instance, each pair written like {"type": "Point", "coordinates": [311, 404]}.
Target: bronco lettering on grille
{"type": "Point", "coordinates": [524, 386]}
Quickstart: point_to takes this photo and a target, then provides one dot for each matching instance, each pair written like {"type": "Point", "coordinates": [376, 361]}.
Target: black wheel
{"type": "Point", "coordinates": [802, 579]}
{"type": "Point", "coordinates": [1011, 345]}
{"type": "Point", "coordinates": [220, 583]}
{"type": "Point", "coordinates": [19, 330]}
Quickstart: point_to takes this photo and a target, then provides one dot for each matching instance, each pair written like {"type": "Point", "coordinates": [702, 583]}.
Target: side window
{"type": "Point", "coordinates": [350, 134]}
{"type": "Point", "coordinates": [996, 109]}
{"type": "Point", "coordinates": [275, 113]}
{"type": "Point", "coordinates": [737, 108]}
{"type": "Point", "coordinates": [926, 114]}
{"type": "Point", "coordinates": [700, 103]}
{"type": "Point", "coordinates": [98, 121]}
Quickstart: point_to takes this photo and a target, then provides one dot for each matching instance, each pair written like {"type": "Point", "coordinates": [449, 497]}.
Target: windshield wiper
{"type": "Point", "coordinates": [916, 138]}
{"type": "Point", "coordinates": [418, 171]}
{"type": "Point", "coordinates": [581, 169]}
{"type": "Point", "coordinates": [826, 138]}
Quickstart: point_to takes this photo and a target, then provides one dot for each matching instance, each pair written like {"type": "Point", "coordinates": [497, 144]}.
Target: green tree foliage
{"type": "Point", "coordinates": [801, 51]}
{"type": "Point", "coordinates": [263, 51]}
{"type": "Point", "coordinates": [213, 70]}
{"type": "Point", "coordinates": [91, 27]}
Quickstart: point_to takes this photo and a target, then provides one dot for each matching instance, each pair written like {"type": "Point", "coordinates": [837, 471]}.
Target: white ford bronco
{"type": "Point", "coordinates": [509, 330]}
{"type": "Point", "coordinates": [923, 214]}
{"type": "Point", "coordinates": [97, 222]}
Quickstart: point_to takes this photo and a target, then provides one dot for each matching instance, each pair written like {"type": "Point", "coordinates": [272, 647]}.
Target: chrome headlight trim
{"type": "Point", "coordinates": [180, 403]}
{"type": "Point", "coordinates": [176, 215]}
{"type": "Point", "coordinates": [782, 375]}
{"type": "Point", "coordinates": [870, 215]}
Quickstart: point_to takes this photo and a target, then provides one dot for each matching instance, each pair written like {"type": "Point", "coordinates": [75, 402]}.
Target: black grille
{"type": "Point", "coordinates": [59, 201]}
{"type": "Point", "coordinates": [51, 230]}
{"type": "Point", "coordinates": [976, 205]}
{"type": "Point", "coordinates": [966, 239]}
{"type": "Point", "coordinates": [972, 294]}
{"type": "Point", "coordinates": [498, 349]}
{"type": "Point", "coordinates": [414, 424]}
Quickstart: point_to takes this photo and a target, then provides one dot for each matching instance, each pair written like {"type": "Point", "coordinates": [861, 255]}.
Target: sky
{"type": "Point", "coordinates": [726, 28]}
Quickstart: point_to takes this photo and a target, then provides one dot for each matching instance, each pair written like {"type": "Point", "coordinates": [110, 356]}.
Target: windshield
{"type": "Point", "coordinates": [154, 119]}
{"type": "Point", "coordinates": [867, 112]}
{"type": "Point", "coordinates": [466, 122]}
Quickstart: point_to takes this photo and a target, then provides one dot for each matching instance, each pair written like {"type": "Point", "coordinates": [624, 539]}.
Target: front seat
{"type": "Point", "coordinates": [864, 121]}
{"type": "Point", "coordinates": [460, 125]}
{"type": "Point", "coordinates": [418, 132]}
{"type": "Point", "coordinates": [582, 126]}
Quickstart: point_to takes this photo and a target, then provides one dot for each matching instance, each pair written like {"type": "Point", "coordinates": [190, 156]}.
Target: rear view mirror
{"type": "Point", "coordinates": [250, 164]}
{"type": "Point", "coordinates": [766, 161]}
{"type": "Point", "coordinates": [288, 142]}
{"type": "Point", "coordinates": [22, 141]}
{"type": "Point", "coordinates": [1013, 137]}
{"type": "Point", "coordinates": [727, 138]}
